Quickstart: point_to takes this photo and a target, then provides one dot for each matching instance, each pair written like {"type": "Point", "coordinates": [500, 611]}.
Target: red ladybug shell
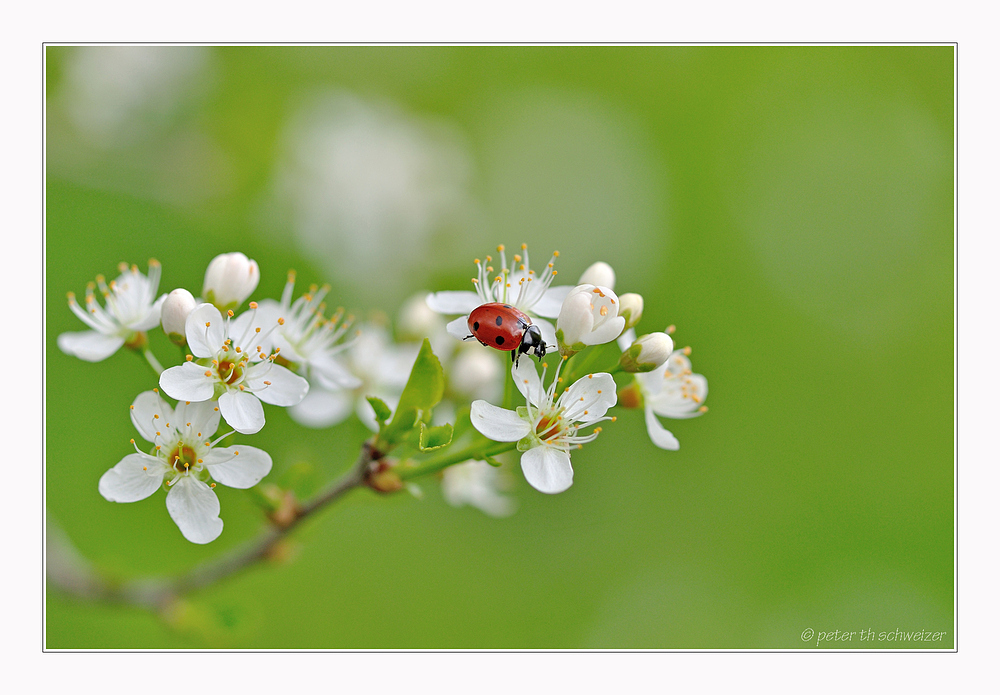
{"type": "Point", "coordinates": [499, 326]}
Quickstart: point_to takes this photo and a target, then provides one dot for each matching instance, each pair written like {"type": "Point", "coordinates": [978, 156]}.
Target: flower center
{"type": "Point", "coordinates": [183, 458]}
{"type": "Point", "coordinates": [230, 372]}
{"type": "Point", "coordinates": [549, 425]}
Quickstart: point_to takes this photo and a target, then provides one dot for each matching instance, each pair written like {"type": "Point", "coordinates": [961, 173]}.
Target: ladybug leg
{"type": "Point", "coordinates": [468, 336]}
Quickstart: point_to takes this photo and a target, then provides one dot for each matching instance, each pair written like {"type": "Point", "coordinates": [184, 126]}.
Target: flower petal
{"type": "Point", "coordinates": [453, 302]}
{"type": "Point", "coordinates": [551, 302]}
{"type": "Point", "coordinates": [89, 345]}
{"type": "Point", "coordinates": [151, 319]}
{"type": "Point", "coordinates": [606, 332]}
{"type": "Point", "coordinates": [242, 411]}
{"type": "Point", "coordinates": [526, 379]}
{"type": "Point", "coordinates": [593, 394]}
{"type": "Point", "coordinates": [134, 478]}
{"type": "Point", "coordinates": [321, 408]}
{"type": "Point", "coordinates": [498, 424]}
{"type": "Point", "coordinates": [205, 331]}
{"type": "Point", "coordinates": [546, 469]}
{"type": "Point", "coordinates": [187, 382]}
{"type": "Point", "coordinates": [147, 410]}
{"type": "Point", "coordinates": [238, 466]}
{"type": "Point", "coordinates": [203, 417]}
{"type": "Point", "coordinates": [276, 385]}
{"type": "Point", "coordinates": [459, 327]}
{"type": "Point", "coordinates": [658, 434]}
{"type": "Point", "coordinates": [330, 374]}
{"type": "Point", "coordinates": [194, 507]}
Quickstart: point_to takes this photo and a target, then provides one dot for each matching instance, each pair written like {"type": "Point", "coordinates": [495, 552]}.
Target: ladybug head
{"type": "Point", "coordinates": [532, 341]}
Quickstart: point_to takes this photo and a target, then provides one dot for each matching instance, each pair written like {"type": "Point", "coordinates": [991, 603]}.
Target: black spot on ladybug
{"type": "Point", "coordinates": [499, 320]}
{"type": "Point", "coordinates": [507, 306]}
{"type": "Point", "coordinates": [499, 338]}
{"type": "Point", "coordinates": [475, 326]}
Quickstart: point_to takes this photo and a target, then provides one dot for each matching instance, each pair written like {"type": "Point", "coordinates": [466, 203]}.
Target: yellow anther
{"type": "Point", "coordinates": [155, 416]}
{"type": "Point", "coordinates": [212, 485]}
{"type": "Point", "coordinates": [257, 329]}
{"type": "Point", "coordinates": [477, 261]}
{"type": "Point", "coordinates": [555, 272]}
{"type": "Point", "coordinates": [671, 328]}
{"type": "Point", "coordinates": [207, 373]}
{"type": "Point", "coordinates": [604, 311]}
{"type": "Point", "coordinates": [144, 468]}
{"type": "Point", "coordinates": [703, 409]}
{"type": "Point", "coordinates": [253, 305]}
{"type": "Point", "coordinates": [281, 322]}
{"type": "Point", "coordinates": [687, 350]}
{"type": "Point", "coordinates": [231, 314]}
{"type": "Point", "coordinates": [556, 254]}
{"type": "Point", "coordinates": [517, 258]}
{"type": "Point", "coordinates": [500, 247]}
{"type": "Point", "coordinates": [236, 453]}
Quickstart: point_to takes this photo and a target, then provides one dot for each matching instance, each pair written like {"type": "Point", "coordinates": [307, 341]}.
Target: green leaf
{"type": "Point", "coordinates": [423, 391]}
{"type": "Point", "coordinates": [435, 437]}
{"type": "Point", "coordinates": [382, 411]}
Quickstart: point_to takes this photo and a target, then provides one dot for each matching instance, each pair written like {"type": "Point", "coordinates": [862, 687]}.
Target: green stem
{"type": "Point", "coordinates": [475, 450]}
{"type": "Point", "coordinates": [151, 359]}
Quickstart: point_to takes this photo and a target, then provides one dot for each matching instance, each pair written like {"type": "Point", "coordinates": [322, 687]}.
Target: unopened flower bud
{"type": "Point", "coordinates": [599, 273]}
{"type": "Point", "coordinates": [630, 306]}
{"type": "Point", "coordinates": [229, 280]}
{"type": "Point", "coordinates": [174, 312]}
{"type": "Point", "coordinates": [647, 353]}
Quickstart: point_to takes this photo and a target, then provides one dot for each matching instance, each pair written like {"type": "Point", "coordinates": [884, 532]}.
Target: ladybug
{"type": "Point", "coordinates": [503, 327]}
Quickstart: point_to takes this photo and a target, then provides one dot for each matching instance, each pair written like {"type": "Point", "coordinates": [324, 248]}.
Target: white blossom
{"type": "Point", "coordinates": [479, 485]}
{"type": "Point", "coordinates": [130, 307]}
{"type": "Point", "coordinates": [671, 391]}
{"type": "Point", "coordinates": [546, 428]}
{"type": "Point", "coordinates": [183, 459]}
{"type": "Point", "coordinates": [589, 316]}
{"type": "Point", "coordinates": [233, 368]}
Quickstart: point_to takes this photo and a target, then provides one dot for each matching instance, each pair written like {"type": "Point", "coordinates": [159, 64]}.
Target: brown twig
{"type": "Point", "coordinates": [70, 573]}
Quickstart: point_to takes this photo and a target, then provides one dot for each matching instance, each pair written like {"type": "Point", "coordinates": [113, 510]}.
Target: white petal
{"type": "Point", "coordinates": [528, 383]}
{"type": "Point", "coordinates": [606, 332]}
{"type": "Point", "coordinates": [321, 408]}
{"type": "Point", "coordinates": [459, 327]}
{"type": "Point", "coordinates": [204, 416]}
{"type": "Point", "coordinates": [498, 424]}
{"type": "Point", "coordinates": [89, 345]}
{"type": "Point", "coordinates": [575, 317]}
{"type": "Point", "coordinates": [194, 507]}
{"type": "Point", "coordinates": [660, 436]}
{"type": "Point", "coordinates": [187, 382]}
{"type": "Point", "coordinates": [283, 388]}
{"type": "Point", "coordinates": [205, 341]}
{"type": "Point", "coordinates": [242, 411]}
{"type": "Point", "coordinates": [240, 466]}
{"type": "Point", "coordinates": [551, 302]}
{"type": "Point", "coordinates": [546, 469]}
{"type": "Point", "coordinates": [594, 394]}
{"type": "Point", "coordinates": [144, 411]}
{"type": "Point", "coordinates": [134, 478]}
{"type": "Point", "coordinates": [453, 302]}
{"type": "Point", "coordinates": [331, 374]}
{"type": "Point", "coordinates": [151, 319]}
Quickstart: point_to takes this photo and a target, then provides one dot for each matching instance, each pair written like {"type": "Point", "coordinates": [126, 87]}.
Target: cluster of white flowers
{"type": "Point", "coordinates": [235, 364]}
{"type": "Point", "coordinates": [292, 353]}
{"type": "Point", "coordinates": [547, 428]}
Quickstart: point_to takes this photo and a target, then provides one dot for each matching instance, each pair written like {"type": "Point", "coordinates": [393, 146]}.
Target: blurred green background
{"type": "Point", "coordinates": [790, 209]}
